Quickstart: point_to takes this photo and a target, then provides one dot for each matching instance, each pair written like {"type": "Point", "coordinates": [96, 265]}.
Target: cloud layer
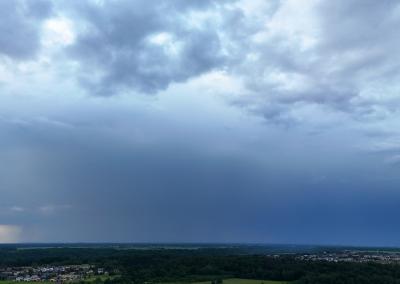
{"type": "Point", "coordinates": [145, 46]}
{"type": "Point", "coordinates": [240, 121]}
{"type": "Point", "coordinates": [20, 27]}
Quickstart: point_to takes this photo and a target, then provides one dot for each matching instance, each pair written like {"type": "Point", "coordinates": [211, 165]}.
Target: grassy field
{"type": "Point", "coordinates": [101, 277]}
{"type": "Point", "coordinates": [240, 281]}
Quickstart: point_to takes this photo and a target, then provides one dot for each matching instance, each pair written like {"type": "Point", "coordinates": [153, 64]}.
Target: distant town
{"type": "Point", "coordinates": [383, 257]}
{"type": "Point", "coordinates": [51, 273]}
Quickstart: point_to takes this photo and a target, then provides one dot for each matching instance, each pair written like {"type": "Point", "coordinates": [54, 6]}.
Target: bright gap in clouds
{"type": "Point", "coordinates": [58, 32]}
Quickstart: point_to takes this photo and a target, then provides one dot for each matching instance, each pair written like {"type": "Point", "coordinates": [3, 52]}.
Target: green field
{"type": "Point", "coordinates": [240, 281]}
{"type": "Point", "coordinates": [101, 277]}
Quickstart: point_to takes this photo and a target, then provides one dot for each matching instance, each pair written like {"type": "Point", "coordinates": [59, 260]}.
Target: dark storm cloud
{"type": "Point", "coordinates": [127, 45]}
{"type": "Point", "coordinates": [185, 165]}
{"type": "Point", "coordinates": [140, 192]}
{"type": "Point", "coordinates": [20, 27]}
{"type": "Point", "coordinates": [100, 170]}
{"type": "Point", "coordinates": [116, 44]}
{"type": "Point", "coordinates": [87, 183]}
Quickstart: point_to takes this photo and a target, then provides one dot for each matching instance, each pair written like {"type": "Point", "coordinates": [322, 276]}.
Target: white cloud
{"type": "Point", "coordinates": [295, 21]}
{"type": "Point", "coordinates": [51, 208]}
{"type": "Point", "coordinates": [58, 31]}
{"type": "Point", "coordinates": [17, 209]}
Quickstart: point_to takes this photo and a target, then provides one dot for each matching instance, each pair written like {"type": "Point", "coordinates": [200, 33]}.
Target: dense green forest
{"type": "Point", "coordinates": [190, 265]}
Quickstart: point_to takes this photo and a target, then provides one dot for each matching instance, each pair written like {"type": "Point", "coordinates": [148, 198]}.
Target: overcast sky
{"type": "Point", "coordinates": [200, 121]}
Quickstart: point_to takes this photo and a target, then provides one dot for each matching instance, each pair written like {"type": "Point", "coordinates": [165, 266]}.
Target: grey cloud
{"type": "Point", "coordinates": [116, 45]}
{"type": "Point", "coordinates": [359, 24]}
{"type": "Point", "coordinates": [20, 27]}
{"type": "Point", "coordinates": [364, 30]}
{"type": "Point", "coordinates": [353, 60]}
{"type": "Point", "coordinates": [39, 8]}
{"type": "Point", "coordinates": [115, 53]}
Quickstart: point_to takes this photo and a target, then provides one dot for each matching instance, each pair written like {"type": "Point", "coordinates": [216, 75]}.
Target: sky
{"type": "Point", "coordinates": [251, 121]}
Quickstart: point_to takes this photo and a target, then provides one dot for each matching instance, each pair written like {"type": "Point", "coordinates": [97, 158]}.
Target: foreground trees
{"type": "Point", "coordinates": [184, 265]}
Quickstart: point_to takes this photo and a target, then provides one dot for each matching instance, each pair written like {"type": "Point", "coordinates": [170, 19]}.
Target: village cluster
{"type": "Point", "coordinates": [58, 274]}
{"type": "Point", "coordinates": [354, 256]}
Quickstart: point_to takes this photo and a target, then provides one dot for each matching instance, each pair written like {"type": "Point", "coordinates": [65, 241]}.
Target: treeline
{"type": "Point", "coordinates": [168, 265]}
{"type": "Point", "coordinates": [262, 267]}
